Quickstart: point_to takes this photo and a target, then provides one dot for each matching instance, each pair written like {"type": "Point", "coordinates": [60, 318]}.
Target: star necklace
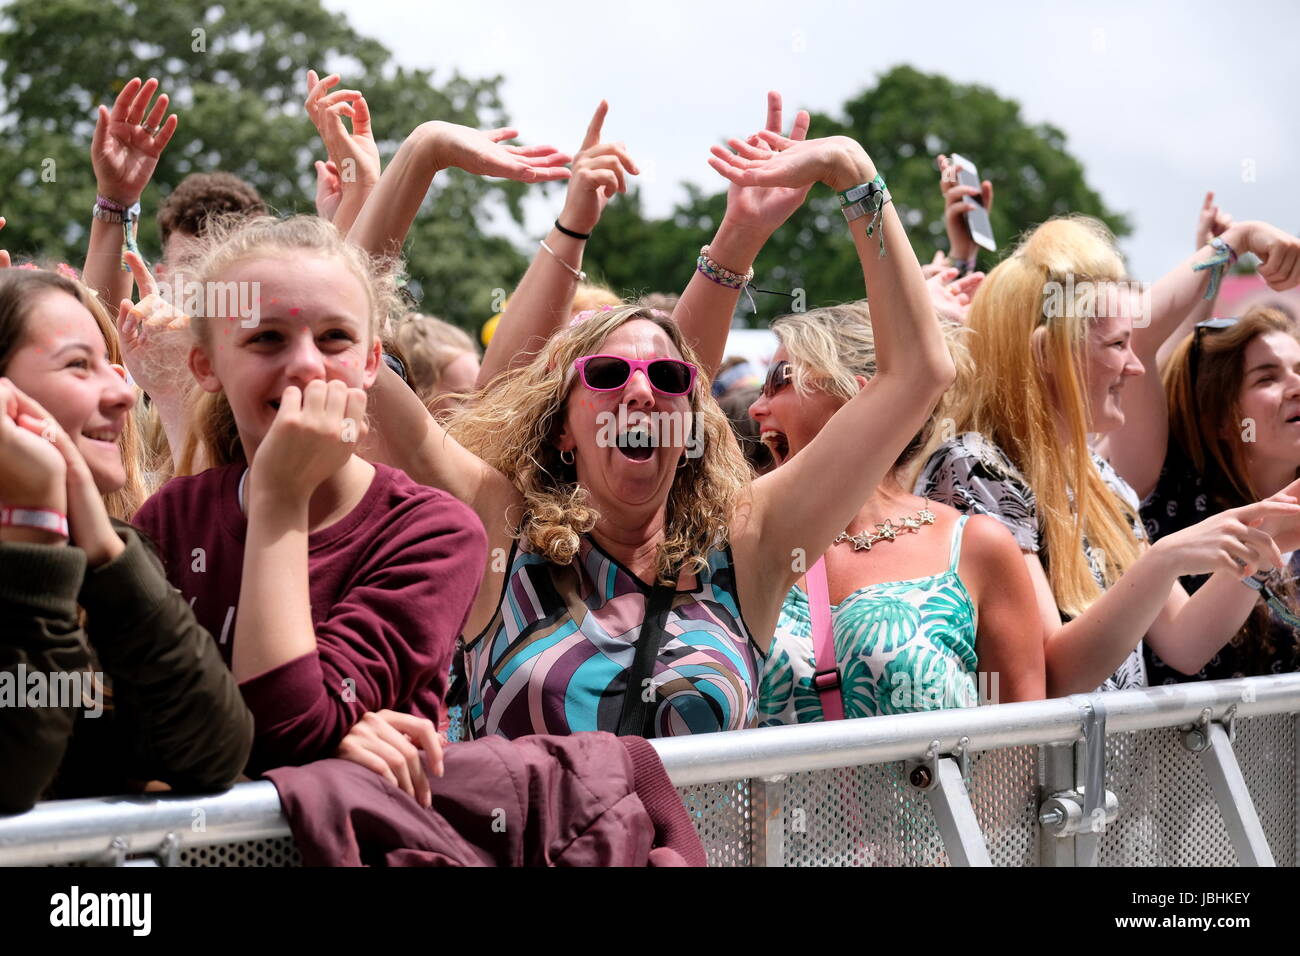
{"type": "Point", "coordinates": [887, 530]}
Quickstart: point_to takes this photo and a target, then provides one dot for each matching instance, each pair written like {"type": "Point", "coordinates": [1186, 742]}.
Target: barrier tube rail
{"type": "Point", "coordinates": [765, 783]}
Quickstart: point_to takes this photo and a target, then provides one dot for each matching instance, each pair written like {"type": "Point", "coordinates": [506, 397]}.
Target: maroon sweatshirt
{"type": "Point", "coordinates": [391, 586]}
{"type": "Point", "coordinates": [588, 799]}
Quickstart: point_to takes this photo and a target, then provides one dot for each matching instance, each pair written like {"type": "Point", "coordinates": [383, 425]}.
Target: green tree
{"type": "Point", "coordinates": [235, 71]}
{"type": "Point", "coordinates": [904, 121]}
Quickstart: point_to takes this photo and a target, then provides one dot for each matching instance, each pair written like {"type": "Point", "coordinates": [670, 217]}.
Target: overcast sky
{"type": "Point", "coordinates": [1160, 101]}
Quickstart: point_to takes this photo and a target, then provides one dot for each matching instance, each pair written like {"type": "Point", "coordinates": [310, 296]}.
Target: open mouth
{"type": "Point", "coordinates": [777, 444]}
{"type": "Point", "coordinates": [637, 445]}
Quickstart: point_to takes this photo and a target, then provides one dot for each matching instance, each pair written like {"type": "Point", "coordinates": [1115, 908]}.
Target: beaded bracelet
{"type": "Point", "coordinates": [1224, 257]}
{"type": "Point", "coordinates": [721, 274]}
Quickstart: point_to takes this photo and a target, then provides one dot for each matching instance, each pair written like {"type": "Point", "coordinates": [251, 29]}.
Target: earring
{"type": "Point", "coordinates": [569, 460]}
{"type": "Point", "coordinates": [683, 462]}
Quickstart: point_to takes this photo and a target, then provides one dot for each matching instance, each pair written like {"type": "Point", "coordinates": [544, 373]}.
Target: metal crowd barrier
{"type": "Point", "coordinates": [1183, 775]}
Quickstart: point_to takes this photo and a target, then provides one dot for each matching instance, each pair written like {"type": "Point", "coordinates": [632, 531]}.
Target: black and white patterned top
{"type": "Point", "coordinates": [972, 474]}
{"type": "Point", "coordinates": [1180, 500]}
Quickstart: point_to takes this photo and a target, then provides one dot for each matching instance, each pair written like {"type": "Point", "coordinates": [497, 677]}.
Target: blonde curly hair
{"type": "Point", "coordinates": [517, 421]}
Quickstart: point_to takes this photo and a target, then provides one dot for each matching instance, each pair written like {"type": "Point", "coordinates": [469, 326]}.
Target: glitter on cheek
{"type": "Point", "coordinates": [295, 310]}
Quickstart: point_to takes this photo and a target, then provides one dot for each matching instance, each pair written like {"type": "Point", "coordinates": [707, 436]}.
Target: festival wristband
{"type": "Point", "coordinates": [867, 199]}
{"type": "Point", "coordinates": [39, 519]}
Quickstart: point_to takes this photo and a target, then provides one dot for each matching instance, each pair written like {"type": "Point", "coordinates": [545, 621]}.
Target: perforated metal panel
{"type": "Point", "coordinates": [1167, 812]}
{"type": "Point", "coordinates": [723, 817]}
{"type": "Point", "coordinates": [870, 816]}
{"type": "Point", "coordinates": [279, 851]}
{"type": "Point", "coordinates": [1003, 789]}
{"type": "Point", "coordinates": [858, 816]}
{"type": "Point", "coordinates": [1265, 748]}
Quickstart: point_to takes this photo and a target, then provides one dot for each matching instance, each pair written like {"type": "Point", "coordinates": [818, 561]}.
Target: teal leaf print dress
{"type": "Point", "coordinates": [901, 646]}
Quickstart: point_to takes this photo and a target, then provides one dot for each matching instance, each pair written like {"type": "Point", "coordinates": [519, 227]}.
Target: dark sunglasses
{"type": "Point", "coordinates": [779, 375]}
{"type": "Point", "coordinates": [609, 373]}
{"type": "Point", "coordinates": [1194, 359]}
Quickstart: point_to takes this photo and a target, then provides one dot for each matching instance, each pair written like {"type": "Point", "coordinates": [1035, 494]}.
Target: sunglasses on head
{"type": "Point", "coordinates": [1209, 325]}
{"type": "Point", "coordinates": [779, 375]}
{"type": "Point", "coordinates": [609, 373]}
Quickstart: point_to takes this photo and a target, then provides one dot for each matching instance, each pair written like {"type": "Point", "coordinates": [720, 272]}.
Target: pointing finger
{"type": "Point", "coordinates": [595, 126]}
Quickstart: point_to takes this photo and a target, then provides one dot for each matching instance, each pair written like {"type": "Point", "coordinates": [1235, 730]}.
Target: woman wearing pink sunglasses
{"type": "Point", "coordinates": [636, 567]}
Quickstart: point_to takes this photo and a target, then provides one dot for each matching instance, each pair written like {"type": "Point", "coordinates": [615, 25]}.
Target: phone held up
{"type": "Point", "coordinates": [981, 229]}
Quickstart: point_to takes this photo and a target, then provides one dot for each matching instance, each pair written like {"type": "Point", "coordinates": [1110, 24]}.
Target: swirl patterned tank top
{"type": "Point", "coordinates": [556, 656]}
{"type": "Point", "coordinates": [901, 646]}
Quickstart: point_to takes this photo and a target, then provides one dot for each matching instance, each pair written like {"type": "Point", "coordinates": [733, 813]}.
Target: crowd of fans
{"type": "Point", "coordinates": [273, 514]}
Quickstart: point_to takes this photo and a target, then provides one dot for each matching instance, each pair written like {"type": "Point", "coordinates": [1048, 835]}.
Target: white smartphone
{"type": "Point", "coordinates": [981, 229]}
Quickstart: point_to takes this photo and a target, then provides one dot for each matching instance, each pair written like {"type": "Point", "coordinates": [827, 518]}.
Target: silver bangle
{"type": "Point", "coordinates": [577, 273]}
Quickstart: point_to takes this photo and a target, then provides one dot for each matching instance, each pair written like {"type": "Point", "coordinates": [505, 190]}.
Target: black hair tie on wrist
{"type": "Point", "coordinates": [570, 233]}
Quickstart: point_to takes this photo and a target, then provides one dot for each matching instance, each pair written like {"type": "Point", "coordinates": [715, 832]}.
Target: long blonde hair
{"type": "Point", "coordinates": [517, 419]}
{"type": "Point", "coordinates": [1045, 371]}
{"type": "Point", "coordinates": [230, 240]}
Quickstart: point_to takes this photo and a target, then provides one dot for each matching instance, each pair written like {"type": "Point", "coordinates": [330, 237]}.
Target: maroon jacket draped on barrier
{"type": "Point", "coordinates": [589, 799]}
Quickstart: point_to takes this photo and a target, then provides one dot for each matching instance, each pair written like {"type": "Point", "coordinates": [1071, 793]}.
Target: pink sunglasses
{"type": "Point", "coordinates": [609, 373]}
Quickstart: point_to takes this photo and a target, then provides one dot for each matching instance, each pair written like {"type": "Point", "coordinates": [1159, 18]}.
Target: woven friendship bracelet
{"type": "Point", "coordinates": [721, 274]}
{"type": "Point", "coordinates": [130, 225]}
{"type": "Point", "coordinates": [1218, 264]}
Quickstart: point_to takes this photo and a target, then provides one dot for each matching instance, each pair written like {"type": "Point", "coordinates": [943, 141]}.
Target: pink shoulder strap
{"type": "Point", "coordinates": [826, 676]}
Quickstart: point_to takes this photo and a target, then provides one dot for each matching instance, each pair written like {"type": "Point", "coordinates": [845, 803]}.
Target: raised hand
{"type": "Point", "coordinates": [599, 171]}
{"type": "Point", "coordinates": [154, 335]}
{"type": "Point", "coordinates": [482, 153]}
{"type": "Point", "coordinates": [776, 160]}
{"type": "Point", "coordinates": [956, 203]}
{"type": "Point", "coordinates": [1278, 252]}
{"type": "Point", "coordinates": [354, 154]}
{"type": "Point", "coordinates": [767, 207]}
{"type": "Point", "coordinates": [390, 744]}
{"type": "Point", "coordinates": [329, 190]}
{"type": "Point", "coordinates": [315, 431]}
{"type": "Point", "coordinates": [936, 265]}
{"type": "Point", "coordinates": [1211, 222]}
{"type": "Point", "coordinates": [951, 296]}
{"type": "Point", "coordinates": [127, 144]}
